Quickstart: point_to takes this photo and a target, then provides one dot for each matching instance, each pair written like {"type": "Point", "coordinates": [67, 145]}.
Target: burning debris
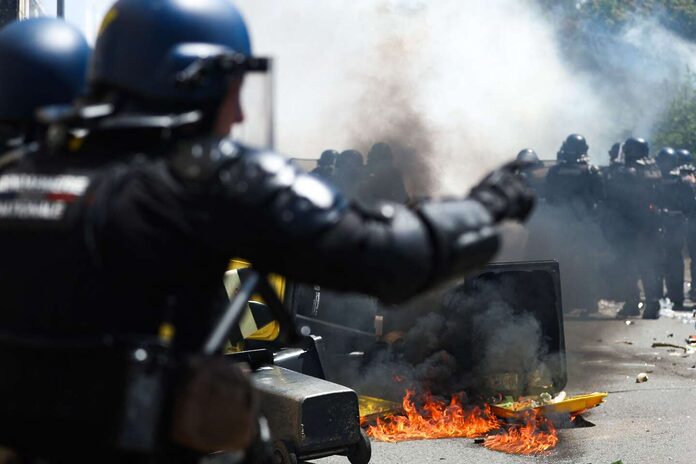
{"type": "Point", "coordinates": [521, 427]}
{"type": "Point", "coordinates": [534, 435]}
{"type": "Point", "coordinates": [434, 418]}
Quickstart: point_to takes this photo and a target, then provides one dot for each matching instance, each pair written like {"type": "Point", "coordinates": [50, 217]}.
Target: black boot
{"type": "Point", "coordinates": [652, 310]}
{"type": "Point", "coordinates": [629, 309]}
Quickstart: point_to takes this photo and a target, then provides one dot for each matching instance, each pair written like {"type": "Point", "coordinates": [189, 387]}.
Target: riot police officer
{"type": "Point", "coordinates": [141, 200]}
{"type": "Point", "coordinates": [687, 171]}
{"type": "Point", "coordinates": [43, 62]}
{"type": "Point", "coordinates": [614, 163]}
{"type": "Point", "coordinates": [633, 202]}
{"type": "Point", "coordinates": [574, 182]}
{"type": "Point", "coordinates": [326, 165]}
{"type": "Point", "coordinates": [534, 171]}
{"type": "Point", "coordinates": [614, 153]}
{"type": "Point", "coordinates": [529, 157]}
{"type": "Point", "coordinates": [350, 173]}
{"type": "Point", "coordinates": [573, 191]}
{"type": "Point", "coordinates": [382, 181]}
{"type": "Point", "coordinates": [610, 264]}
{"type": "Point", "coordinates": [684, 157]}
{"type": "Point", "coordinates": [674, 204]}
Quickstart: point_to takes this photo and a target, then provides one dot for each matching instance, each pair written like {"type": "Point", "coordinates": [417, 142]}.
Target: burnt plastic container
{"type": "Point", "coordinates": [503, 325]}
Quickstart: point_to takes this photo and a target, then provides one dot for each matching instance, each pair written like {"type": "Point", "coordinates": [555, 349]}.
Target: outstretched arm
{"type": "Point", "coordinates": [267, 210]}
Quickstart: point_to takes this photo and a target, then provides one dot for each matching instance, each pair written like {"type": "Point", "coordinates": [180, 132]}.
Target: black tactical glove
{"type": "Point", "coordinates": [505, 194]}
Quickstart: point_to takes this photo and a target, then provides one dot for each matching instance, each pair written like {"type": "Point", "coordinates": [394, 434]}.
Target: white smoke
{"type": "Point", "coordinates": [467, 84]}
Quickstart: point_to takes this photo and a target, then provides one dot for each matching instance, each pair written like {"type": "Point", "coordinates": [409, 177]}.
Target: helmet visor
{"type": "Point", "coordinates": [257, 109]}
{"type": "Point", "coordinates": [248, 106]}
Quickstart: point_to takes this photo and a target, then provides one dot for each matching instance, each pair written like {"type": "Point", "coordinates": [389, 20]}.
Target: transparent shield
{"type": "Point", "coordinates": [256, 98]}
{"type": "Point", "coordinates": [87, 15]}
{"type": "Point", "coordinates": [36, 8]}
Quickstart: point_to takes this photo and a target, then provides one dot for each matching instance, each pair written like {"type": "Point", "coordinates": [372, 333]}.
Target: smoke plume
{"type": "Point", "coordinates": [458, 87]}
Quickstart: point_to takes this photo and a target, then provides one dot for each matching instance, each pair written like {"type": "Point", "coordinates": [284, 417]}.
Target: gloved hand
{"type": "Point", "coordinates": [505, 193]}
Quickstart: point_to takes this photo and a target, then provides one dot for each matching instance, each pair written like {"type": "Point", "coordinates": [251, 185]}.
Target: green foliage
{"type": "Point", "coordinates": [677, 125]}
{"type": "Point", "coordinates": [678, 15]}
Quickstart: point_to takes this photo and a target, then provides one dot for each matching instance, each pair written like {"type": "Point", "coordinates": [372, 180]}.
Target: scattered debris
{"type": "Point", "coordinates": [642, 377]}
{"type": "Point", "coordinates": [669, 345]}
{"type": "Point", "coordinates": [625, 342]}
{"type": "Point", "coordinates": [629, 322]}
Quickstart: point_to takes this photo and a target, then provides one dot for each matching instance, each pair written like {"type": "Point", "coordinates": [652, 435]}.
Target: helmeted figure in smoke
{"type": "Point", "coordinates": [326, 165]}
{"type": "Point", "coordinates": [633, 203]}
{"type": "Point", "coordinates": [574, 182]}
{"type": "Point", "coordinates": [573, 191]}
{"type": "Point", "coordinates": [534, 170]}
{"type": "Point", "coordinates": [610, 264]}
{"type": "Point", "coordinates": [687, 171]}
{"type": "Point", "coordinates": [675, 202]}
{"type": "Point", "coordinates": [382, 181]}
{"type": "Point", "coordinates": [350, 172]}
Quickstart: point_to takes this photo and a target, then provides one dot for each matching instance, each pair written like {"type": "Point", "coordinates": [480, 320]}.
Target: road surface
{"type": "Point", "coordinates": [652, 422]}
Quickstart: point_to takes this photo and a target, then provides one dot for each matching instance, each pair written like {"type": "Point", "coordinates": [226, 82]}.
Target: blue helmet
{"type": "Point", "coordinates": [684, 157]}
{"type": "Point", "coordinates": [175, 51]}
{"type": "Point", "coordinates": [43, 61]}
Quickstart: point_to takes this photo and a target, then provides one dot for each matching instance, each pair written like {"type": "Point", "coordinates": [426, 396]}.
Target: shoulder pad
{"type": "Point", "coordinates": [200, 159]}
{"type": "Point", "coordinates": [309, 204]}
{"type": "Point", "coordinates": [257, 175]}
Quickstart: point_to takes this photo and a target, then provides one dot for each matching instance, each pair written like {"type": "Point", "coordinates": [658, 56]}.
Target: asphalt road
{"type": "Point", "coordinates": [652, 422]}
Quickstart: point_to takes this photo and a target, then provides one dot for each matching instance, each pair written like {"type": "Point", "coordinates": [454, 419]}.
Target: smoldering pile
{"type": "Point", "coordinates": [475, 342]}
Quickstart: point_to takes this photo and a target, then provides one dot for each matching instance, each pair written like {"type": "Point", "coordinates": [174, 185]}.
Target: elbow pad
{"type": "Point", "coordinates": [463, 234]}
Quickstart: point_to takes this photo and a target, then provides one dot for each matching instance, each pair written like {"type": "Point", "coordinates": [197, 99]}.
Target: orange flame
{"type": "Point", "coordinates": [435, 419]}
{"type": "Point", "coordinates": [535, 435]}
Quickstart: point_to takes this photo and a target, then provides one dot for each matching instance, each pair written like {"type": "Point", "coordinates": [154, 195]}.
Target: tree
{"type": "Point", "coordinates": [677, 15]}
{"type": "Point", "coordinates": [677, 125]}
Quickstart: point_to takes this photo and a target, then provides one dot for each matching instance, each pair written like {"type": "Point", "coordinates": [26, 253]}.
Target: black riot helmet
{"type": "Point", "coordinates": [529, 157]}
{"type": "Point", "coordinates": [684, 157]}
{"type": "Point", "coordinates": [666, 159]}
{"type": "Point", "coordinates": [614, 152]}
{"type": "Point", "coordinates": [635, 149]}
{"type": "Point", "coordinates": [328, 158]}
{"type": "Point", "coordinates": [574, 148]}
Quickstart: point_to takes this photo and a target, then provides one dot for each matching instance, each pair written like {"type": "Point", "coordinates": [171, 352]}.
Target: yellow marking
{"type": "Point", "coordinates": [247, 325]}
{"type": "Point", "coordinates": [75, 143]}
{"type": "Point", "coordinates": [109, 18]}
{"type": "Point", "coordinates": [268, 332]}
{"type": "Point", "coordinates": [166, 332]}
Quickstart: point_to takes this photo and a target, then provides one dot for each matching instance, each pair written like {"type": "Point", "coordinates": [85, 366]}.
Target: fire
{"type": "Point", "coordinates": [536, 434]}
{"type": "Point", "coordinates": [435, 419]}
